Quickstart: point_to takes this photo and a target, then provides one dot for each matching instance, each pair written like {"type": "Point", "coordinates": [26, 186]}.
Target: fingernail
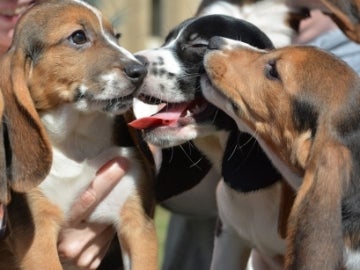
{"type": "Point", "coordinates": [118, 162]}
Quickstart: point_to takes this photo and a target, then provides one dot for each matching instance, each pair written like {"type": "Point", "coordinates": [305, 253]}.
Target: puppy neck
{"type": "Point", "coordinates": [77, 134]}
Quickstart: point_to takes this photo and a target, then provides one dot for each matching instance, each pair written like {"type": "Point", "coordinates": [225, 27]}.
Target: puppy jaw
{"type": "Point", "coordinates": [78, 63]}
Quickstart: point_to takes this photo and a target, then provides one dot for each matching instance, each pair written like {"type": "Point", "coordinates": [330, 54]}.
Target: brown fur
{"type": "Point", "coordinates": [28, 141]}
{"type": "Point", "coordinates": [315, 93]}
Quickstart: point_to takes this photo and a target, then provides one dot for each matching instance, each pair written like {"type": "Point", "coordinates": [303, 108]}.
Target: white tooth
{"type": "Point", "coordinates": [188, 113]}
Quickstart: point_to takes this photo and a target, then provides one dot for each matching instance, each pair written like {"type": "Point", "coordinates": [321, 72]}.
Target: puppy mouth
{"type": "Point", "coordinates": [174, 115]}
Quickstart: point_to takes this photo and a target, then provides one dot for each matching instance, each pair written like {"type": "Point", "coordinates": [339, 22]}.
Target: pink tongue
{"type": "Point", "coordinates": [166, 118]}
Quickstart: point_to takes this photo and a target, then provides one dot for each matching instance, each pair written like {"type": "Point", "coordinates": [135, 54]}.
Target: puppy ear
{"type": "Point", "coordinates": [29, 156]}
{"type": "Point", "coordinates": [346, 14]}
{"type": "Point", "coordinates": [315, 238]}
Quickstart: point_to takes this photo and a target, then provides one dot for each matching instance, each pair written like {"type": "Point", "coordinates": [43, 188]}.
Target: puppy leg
{"type": "Point", "coordinates": [137, 236]}
{"type": "Point", "coordinates": [34, 242]}
{"type": "Point", "coordinates": [230, 250]}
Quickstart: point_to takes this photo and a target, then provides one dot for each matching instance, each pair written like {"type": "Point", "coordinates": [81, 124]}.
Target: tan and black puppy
{"type": "Point", "coordinates": [66, 55]}
{"type": "Point", "coordinates": [302, 104]}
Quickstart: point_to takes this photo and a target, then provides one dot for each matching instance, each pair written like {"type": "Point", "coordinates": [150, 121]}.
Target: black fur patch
{"type": "Point", "coordinates": [305, 115]}
{"type": "Point", "coordinates": [245, 166]}
{"type": "Point", "coordinates": [178, 172]}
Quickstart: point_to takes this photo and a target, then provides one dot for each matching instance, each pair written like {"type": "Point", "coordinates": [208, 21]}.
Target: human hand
{"type": "Point", "coordinates": [318, 23]}
{"type": "Point", "coordinates": [85, 244]}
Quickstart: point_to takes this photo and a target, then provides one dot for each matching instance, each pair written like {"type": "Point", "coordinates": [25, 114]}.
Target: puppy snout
{"type": "Point", "coordinates": [142, 59]}
{"type": "Point", "coordinates": [135, 72]}
{"type": "Point", "coordinates": [216, 43]}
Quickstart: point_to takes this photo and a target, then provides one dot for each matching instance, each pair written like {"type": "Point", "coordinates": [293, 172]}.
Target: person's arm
{"type": "Point", "coordinates": [85, 244]}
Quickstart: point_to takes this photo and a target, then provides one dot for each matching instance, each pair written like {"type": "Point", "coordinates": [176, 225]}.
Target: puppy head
{"type": "Point", "coordinates": [174, 75]}
{"type": "Point", "coordinates": [62, 52]}
{"type": "Point", "coordinates": [70, 55]}
{"type": "Point", "coordinates": [281, 96]}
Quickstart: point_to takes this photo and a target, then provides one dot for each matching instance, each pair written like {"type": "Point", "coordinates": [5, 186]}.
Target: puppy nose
{"type": "Point", "coordinates": [216, 43]}
{"type": "Point", "coordinates": [136, 72]}
{"type": "Point", "coordinates": [143, 60]}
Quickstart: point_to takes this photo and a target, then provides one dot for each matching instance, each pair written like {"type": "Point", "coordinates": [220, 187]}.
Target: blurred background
{"type": "Point", "coordinates": [144, 23]}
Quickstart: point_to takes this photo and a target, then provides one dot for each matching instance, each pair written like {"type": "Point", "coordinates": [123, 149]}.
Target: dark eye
{"type": "Point", "coordinates": [271, 71]}
{"type": "Point", "coordinates": [118, 36]}
{"type": "Point", "coordinates": [78, 37]}
{"type": "Point", "coordinates": [199, 45]}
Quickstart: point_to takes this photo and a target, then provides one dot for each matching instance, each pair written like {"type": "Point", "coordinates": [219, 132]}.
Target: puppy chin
{"type": "Point", "coordinates": [212, 94]}
{"type": "Point", "coordinates": [166, 137]}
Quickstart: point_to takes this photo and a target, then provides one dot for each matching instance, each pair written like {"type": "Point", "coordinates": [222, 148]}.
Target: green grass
{"type": "Point", "coordinates": [161, 222]}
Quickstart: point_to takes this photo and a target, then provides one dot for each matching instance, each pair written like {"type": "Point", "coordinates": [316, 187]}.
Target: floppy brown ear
{"type": "Point", "coordinates": [346, 15]}
{"type": "Point", "coordinates": [315, 239]}
{"type": "Point", "coordinates": [29, 156]}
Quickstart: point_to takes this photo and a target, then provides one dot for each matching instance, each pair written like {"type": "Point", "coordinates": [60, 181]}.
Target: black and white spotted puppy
{"type": "Point", "coordinates": [172, 84]}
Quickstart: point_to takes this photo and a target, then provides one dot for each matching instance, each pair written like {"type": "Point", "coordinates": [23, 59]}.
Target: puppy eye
{"type": "Point", "coordinates": [117, 36]}
{"type": "Point", "coordinates": [78, 37]}
{"type": "Point", "coordinates": [271, 71]}
{"type": "Point", "coordinates": [199, 45]}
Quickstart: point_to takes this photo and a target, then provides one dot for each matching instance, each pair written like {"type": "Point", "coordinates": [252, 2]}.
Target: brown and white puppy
{"type": "Point", "coordinates": [302, 104]}
{"type": "Point", "coordinates": [65, 54]}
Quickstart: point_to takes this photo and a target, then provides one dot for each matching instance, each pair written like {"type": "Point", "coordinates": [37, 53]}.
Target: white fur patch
{"type": "Point", "coordinates": [81, 145]}
{"type": "Point", "coordinates": [351, 259]}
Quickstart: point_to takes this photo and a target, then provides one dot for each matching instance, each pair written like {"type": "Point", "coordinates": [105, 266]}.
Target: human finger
{"type": "Point", "coordinates": [106, 178]}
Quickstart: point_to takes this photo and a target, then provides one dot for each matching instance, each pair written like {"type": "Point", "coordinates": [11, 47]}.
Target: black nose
{"type": "Point", "coordinates": [215, 43]}
{"type": "Point", "coordinates": [136, 72]}
{"type": "Point", "coordinates": [143, 60]}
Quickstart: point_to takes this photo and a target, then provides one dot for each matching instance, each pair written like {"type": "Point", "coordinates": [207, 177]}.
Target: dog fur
{"type": "Point", "coordinates": [65, 54]}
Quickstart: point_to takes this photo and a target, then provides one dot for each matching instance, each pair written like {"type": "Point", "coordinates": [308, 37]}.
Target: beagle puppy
{"type": "Point", "coordinates": [66, 55]}
{"type": "Point", "coordinates": [302, 104]}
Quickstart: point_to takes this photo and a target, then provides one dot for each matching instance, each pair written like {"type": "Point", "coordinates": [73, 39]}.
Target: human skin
{"type": "Point", "coordinates": [10, 12]}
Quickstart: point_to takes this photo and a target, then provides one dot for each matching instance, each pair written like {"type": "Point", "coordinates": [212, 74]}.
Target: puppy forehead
{"type": "Point", "coordinates": [66, 15]}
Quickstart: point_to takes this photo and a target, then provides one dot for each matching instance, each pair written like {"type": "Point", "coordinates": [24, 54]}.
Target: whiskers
{"type": "Point", "coordinates": [188, 155]}
{"type": "Point", "coordinates": [239, 147]}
